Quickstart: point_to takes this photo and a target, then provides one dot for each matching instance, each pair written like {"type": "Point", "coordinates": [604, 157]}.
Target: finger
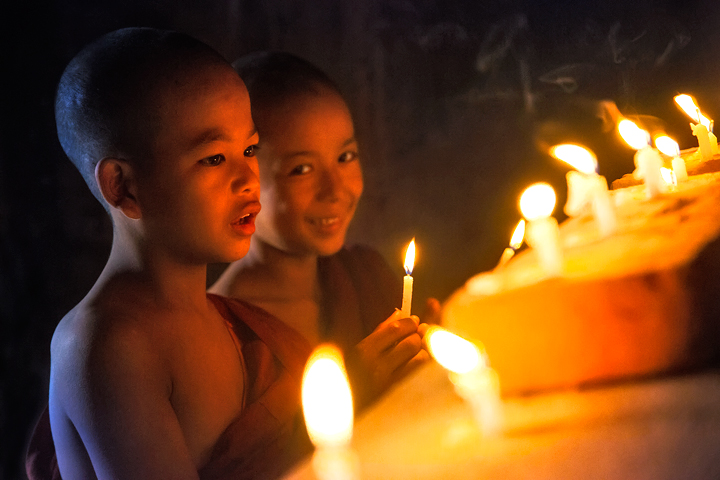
{"type": "Point", "coordinates": [401, 353]}
{"type": "Point", "coordinates": [387, 334]}
{"type": "Point", "coordinates": [422, 329]}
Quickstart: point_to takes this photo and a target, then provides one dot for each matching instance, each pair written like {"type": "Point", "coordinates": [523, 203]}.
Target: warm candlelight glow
{"type": "Point", "coordinates": [537, 201]}
{"type": "Point", "coordinates": [326, 398]}
{"type": "Point", "coordinates": [667, 145]}
{"type": "Point", "coordinates": [518, 235]}
{"type": "Point", "coordinates": [690, 107]}
{"type": "Point", "coordinates": [580, 158]}
{"type": "Point", "coordinates": [633, 135]}
{"type": "Point", "coordinates": [453, 352]}
{"type": "Point", "coordinates": [410, 257]}
{"type": "Point", "coordinates": [668, 176]}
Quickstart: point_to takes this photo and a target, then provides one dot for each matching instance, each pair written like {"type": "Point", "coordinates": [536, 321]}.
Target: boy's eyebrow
{"type": "Point", "coordinates": [208, 136]}
{"type": "Point", "coordinates": [214, 135]}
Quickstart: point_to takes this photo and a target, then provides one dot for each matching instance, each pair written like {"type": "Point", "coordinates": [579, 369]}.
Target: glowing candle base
{"type": "Point", "coordinates": [480, 388]}
{"type": "Point", "coordinates": [507, 254]}
{"type": "Point", "coordinates": [407, 295]}
{"type": "Point", "coordinates": [648, 163]}
{"type": "Point", "coordinates": [701, 132]}
{"type": "Point", "coordinates": [680, 169]}
{"type": "Point", "coordinates": [336, 463]}
{"type": "Point", "coordinates": [543, 236]}
{"type": "Point", "coordinates": [591, 189]}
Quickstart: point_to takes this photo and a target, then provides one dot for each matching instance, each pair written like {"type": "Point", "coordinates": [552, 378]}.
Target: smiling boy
{"type": "Point", "coordinates": [146, 374]}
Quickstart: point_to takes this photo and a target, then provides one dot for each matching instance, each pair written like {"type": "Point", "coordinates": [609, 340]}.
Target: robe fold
{"type": "Point", "coordinates": [268, 437]}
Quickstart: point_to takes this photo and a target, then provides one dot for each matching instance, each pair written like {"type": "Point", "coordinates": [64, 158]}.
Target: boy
{"type": "Point", "coordinates": [146, 375]}
{"type": "Point", "coordinates": [298, 269]}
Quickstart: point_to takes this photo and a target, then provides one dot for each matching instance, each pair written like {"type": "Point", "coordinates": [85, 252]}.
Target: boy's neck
{"type": "Point", "coordinates": [170, 283]}
{"type": "Point", "coordinates": [296, 274]}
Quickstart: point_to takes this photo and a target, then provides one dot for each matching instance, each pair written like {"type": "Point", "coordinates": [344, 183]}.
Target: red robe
{"type": "Point", "coordinates": [268, 437]}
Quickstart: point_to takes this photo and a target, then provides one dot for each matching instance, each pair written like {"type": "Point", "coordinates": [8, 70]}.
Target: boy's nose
{"type": "Point", "coordinates": [331, 184]}
{"type": "Point", "coordinates": [246, 177]}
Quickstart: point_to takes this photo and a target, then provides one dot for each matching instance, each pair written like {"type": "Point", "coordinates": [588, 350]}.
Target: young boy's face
{"type": "Point", "coordinates": [310, 174]}
{"type": "Point", "coordinates": [199, 194]}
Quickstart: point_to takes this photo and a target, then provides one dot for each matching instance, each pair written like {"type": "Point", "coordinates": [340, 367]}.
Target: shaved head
{"type": "Point", "coordinates": [106, 103]}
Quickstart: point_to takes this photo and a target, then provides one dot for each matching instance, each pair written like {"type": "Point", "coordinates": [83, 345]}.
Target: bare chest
{"type": "Point", "coordinates": [208, 385]}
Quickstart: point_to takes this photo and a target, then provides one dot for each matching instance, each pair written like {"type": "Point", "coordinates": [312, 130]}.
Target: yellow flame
{"type": "Point", "coordinates": [537, 201]}
{"type": "Point", "coordinates": [326, 398]}
{"type": "Point", "coordinates": [518, 235]}
{"type": "Point", "coordinates": [690, 107]}
{"type": "Point", "coordinates": [633, 135]}
{"type": "Point", "coordinates": [667, 145]}
{"type": "Point", "coordinates": [410, 257]}
{"type": "Point", "coordinates": [453, 352]}
{"type": "Point", "coordinates": [580, 158]}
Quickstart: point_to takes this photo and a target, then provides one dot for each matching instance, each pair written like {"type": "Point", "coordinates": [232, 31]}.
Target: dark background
{"type": "Point", "coordinates": [455, 102]}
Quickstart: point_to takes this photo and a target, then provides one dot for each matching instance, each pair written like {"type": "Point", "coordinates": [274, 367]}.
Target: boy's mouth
{"type": "Point", "coordinates": [245, 224]}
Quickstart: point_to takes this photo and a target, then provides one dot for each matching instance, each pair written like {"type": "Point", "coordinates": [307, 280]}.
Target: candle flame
{"type": "Point", "coordinates": [537, 201]}
{"type": "Point", "coordinates": [518, 235]}
{"type": "Point", "coordinates": [691, 109]}
{"type": "Point", "coordinates": [580, 158]}
{"type": "Point", "coordinates": [410, 257]}
{"type": "Point", "coordinates": [633, 135]}
{"type": "Point", "coordinates": [667, 145]}
{"type": "Point", "coordinates": [453, 352]}
{"type": "Point", "coordinates": [326, 398]}
{"type": "Point", "coordinates": [668, 176]}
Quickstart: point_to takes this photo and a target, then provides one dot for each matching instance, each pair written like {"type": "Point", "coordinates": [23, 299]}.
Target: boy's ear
{"type": "Point", "coordinates": [118, 186]}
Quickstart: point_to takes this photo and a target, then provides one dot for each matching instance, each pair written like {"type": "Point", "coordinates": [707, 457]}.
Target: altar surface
{"type": "Point", "coordinates": [663, 428]}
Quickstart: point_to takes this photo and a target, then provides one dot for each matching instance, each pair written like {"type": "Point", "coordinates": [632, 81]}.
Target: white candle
{"type": "Point", "coordinates": [408, 279]}
{"type": "Point", "coordinates": [647, 159]}
{"type": "Point", "coordinates": [328, 411]}
{"type": "Point", "coordinates": [516, 241]}
{"type": "Point", "coordinates": [669, 147]}
{"type": "Point", "coordinates": [702, 128]}
{"type": "Point", "coordinates": [542, 233]}
{"type": "Point", "coordinates": [648, 163]}
{"type": "Point", "coordinates": [474, 380]}
{"type": "Point", "coordinates": [702, 134]}
{"type": "Point", "coordinates": [586, 187]}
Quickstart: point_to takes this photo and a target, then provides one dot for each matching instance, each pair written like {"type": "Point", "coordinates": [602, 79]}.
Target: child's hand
{"type": "Point", "coordinates": [392, 350]}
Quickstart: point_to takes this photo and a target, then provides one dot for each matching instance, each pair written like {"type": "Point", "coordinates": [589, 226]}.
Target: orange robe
{"type": "Point", "coordinates": [359, 292]}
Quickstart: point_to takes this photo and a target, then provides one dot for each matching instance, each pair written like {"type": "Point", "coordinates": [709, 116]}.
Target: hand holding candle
{"type": "Point", "coordinates": [647, 160]}
{"type": "Point", "coordinates": [586, 187]}
{"type": "Point", "coordinates": [408, 279]}
{"type": "Point", "coordinates": [536, 204]}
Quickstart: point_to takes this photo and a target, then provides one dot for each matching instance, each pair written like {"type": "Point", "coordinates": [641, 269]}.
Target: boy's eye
{"type": "Point", "coordinates": [251, 151]}
{"type": "Point", "coordinates": [348, 157]}
{"type": "Point", "coordinates": [213, 161]}
{"type": "Point", "coordinates": [301, 169]}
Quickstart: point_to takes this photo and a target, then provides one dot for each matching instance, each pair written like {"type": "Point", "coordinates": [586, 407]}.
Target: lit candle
{"type": "Point", "coordinates": [408, 279]}
{"type": "Point", "coordinates": [328, 411]}
{"type": "Point", "coordinates": [516, 241]}
{"type": "Point", "coordinates": [669, 147]}
{"type": "Point", "coordinates": [474, 380]}
{"type": "Point", "coordinates": [647, 159]}
{"type": "Point", "coordinates": [542, 233]}
{"type": "Point", "coordinates": [586, 187]}
{"type": "Point", "coordinates": [702, 128]}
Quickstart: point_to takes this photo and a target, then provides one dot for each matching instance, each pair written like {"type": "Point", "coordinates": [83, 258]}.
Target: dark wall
{"type": "Point", "coordinates": [454, 100]}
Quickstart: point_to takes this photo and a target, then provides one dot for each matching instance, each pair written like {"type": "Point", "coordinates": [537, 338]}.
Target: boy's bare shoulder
{"type": "Point", "coordinates": [106, 337]}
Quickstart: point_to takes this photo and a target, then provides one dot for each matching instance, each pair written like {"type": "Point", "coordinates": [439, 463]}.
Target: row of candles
{"type": "Point", "coordinates": [588, 189]}
{"type": "Point", "coordinates": [326, 396]}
